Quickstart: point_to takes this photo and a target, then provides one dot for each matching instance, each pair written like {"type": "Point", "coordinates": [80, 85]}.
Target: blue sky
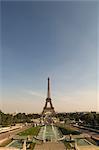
{"type": "Point", "coordinates": [55, 39]}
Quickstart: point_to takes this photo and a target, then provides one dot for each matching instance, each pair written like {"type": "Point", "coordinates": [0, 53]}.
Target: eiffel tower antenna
{"type": "Point", "coordinates": [48, 90]}
{"type": "Point", "coordinates": [47, 109]}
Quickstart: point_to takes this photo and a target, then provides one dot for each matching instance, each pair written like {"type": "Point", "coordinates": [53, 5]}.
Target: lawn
{"type": "Point", "coordinates": [68, 130]}
{"type": "Point", "coordinates": [31, 131]}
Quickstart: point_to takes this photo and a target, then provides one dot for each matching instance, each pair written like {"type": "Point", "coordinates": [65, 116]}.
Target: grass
{"type": "Point", "coordinates": [31, 131]}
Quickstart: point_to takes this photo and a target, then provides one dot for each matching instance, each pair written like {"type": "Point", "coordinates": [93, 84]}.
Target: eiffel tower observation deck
{"type": "Point", "coordinates": [48, 109]}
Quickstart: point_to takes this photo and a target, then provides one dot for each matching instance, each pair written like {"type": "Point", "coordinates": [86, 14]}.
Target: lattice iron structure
{"type": "Point", "coordinates": [49, 109]}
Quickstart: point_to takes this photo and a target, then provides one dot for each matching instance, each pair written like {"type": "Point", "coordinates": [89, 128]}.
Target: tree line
{"type": "Point", "coordinates": [10, 119]}
{"type": "Point", "coordinates": [88, 118]}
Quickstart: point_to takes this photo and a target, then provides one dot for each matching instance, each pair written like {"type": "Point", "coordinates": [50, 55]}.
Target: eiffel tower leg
{"type": "Point", "coordinates": [51, 104]}
{"type": "Point", "coordinates": [45, 105]}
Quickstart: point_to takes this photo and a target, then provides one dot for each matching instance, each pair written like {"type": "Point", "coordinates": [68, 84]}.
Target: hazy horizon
{"type": "Point", "coordinates": [49, 39]}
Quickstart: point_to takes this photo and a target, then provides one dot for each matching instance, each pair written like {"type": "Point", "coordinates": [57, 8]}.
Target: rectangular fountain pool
{"type": "Point", "coordinates": [49, 132]}
{"type": "Point", "coordinates": [82, 142]}
{"type": "Point", "coordinates": [16, 143]}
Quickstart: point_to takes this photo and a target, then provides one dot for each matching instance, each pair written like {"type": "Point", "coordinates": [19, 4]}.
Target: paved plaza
{"type": "Point", "coordinates": [50, 146]}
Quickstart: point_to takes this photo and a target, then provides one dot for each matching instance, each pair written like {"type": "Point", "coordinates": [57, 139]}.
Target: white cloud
{"type": "Point", "coordinates": [35, 93]}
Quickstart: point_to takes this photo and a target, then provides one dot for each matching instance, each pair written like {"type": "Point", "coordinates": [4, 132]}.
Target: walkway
{"type": "Point", "coordinates": [50, 146]}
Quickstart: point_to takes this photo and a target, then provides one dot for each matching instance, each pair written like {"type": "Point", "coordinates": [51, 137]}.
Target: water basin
{"type": "Point", "coordinates": [82, 142]}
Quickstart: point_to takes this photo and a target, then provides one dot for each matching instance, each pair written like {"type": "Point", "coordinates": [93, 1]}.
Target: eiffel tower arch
{"type": "Point", "coordinates": [48, 109]}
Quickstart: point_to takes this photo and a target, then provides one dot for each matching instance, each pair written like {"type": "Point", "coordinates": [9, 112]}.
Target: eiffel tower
{"type": "Point", "coordinates": [49, 109]}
